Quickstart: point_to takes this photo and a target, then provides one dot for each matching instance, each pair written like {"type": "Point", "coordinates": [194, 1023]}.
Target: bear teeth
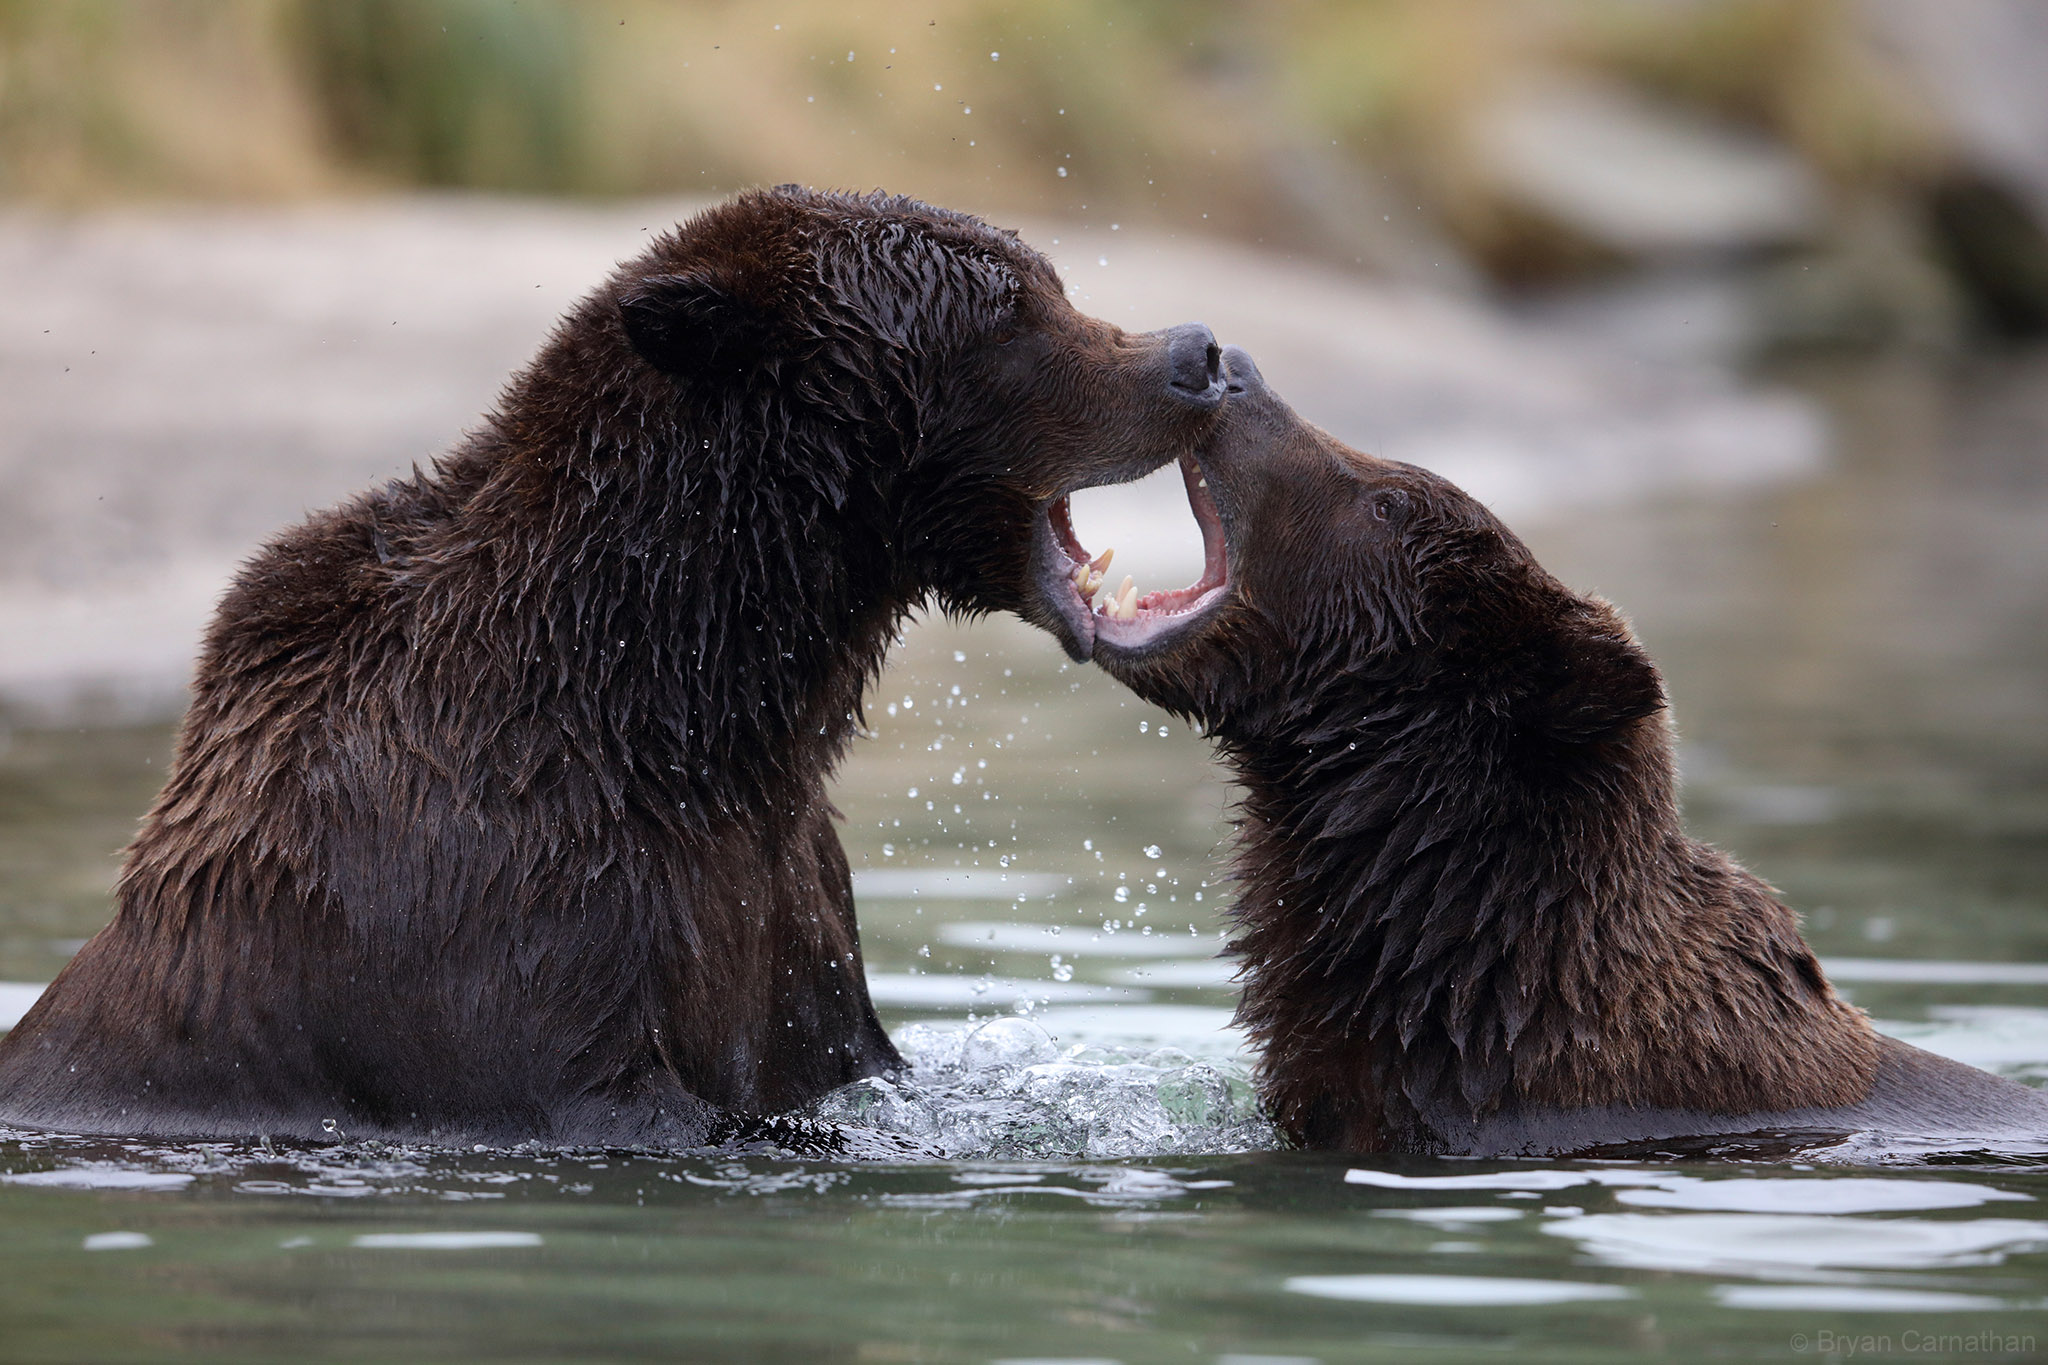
{"type": "Point", "coordinates": [1088, 578]}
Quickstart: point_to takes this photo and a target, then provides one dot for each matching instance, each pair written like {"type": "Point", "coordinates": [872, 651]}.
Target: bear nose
{"type": "Point", "coordinates": [1194, 361]}
{"type": "Point", "coordinates": [1243, 373]}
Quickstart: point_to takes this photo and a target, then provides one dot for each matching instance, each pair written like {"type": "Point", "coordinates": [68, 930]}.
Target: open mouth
{"type": "Point", "coordinates": [1079, 584]}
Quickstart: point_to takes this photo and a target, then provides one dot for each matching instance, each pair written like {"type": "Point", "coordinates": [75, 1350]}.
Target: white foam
{"type": "Point", "coordinates": [99, 1178]}
{"type": "Point", "coordinates": [1462, 1291]}
{"type": "Point", "coordinates": [445, 1241]}
{"type": "Point", "coordinates": [1007, 1090]}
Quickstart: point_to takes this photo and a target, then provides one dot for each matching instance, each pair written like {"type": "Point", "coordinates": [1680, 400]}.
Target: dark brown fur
{"type": "Point", "coordinates": [499, 812]}
{"type": "Point", "coordinates": [1469, 917]}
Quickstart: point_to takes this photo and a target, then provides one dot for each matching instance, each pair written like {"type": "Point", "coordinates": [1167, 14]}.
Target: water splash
{"type": "Point", "coordinates": [1006, 1091]}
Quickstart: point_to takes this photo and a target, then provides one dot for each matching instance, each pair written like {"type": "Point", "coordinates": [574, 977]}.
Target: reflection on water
{"type": "Point", "coordinates": [1860, 665]}
{"type": "Point", "coordinates": [550, 1255]}
{"type": "Point", "coordinates": [1452, 1290]}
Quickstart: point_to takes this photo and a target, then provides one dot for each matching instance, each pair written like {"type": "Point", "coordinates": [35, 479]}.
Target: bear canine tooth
{"type": "Point", "coordinates": [1101, 562]}
{"type": "Point", "coordinates": [1126, 588]}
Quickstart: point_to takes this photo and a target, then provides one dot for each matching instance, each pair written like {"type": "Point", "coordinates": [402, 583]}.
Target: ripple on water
{"type": "Point", "coordinates": [1460, 1291]}
{"type": "Point", "coordinates": [1795, 1245]}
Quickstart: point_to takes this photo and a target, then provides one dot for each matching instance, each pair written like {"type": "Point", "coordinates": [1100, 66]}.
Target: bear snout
{"type": "Point", "coordinates": [1243, 374]}
{"type": "Point", "coordinates": [1194, 362]}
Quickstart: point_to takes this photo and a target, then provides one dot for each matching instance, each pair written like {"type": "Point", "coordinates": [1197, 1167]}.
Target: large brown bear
{"type": "Point", "coordinates": [499, 812]}
{"type": "Point", "coordinates": [1470, 921]}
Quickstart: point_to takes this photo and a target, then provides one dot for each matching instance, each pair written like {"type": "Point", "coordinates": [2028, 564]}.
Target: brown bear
{"type": "Point", "coordinates": [499, 811]}
{"type": "Point", "coordinates": [1469, 920]}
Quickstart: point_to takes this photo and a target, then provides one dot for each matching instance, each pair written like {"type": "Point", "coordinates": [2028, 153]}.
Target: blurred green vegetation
{"type": "Point", "coordinates": [1248, 113]}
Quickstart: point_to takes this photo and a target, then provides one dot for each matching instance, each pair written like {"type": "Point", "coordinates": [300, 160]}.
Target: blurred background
{"type": "Point", "coordinates": [1733, 307]}
{"type": "Point", "coordinates": [1891, 153]}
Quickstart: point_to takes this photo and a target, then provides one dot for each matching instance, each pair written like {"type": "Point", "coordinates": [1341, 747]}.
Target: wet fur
{"type": "Point", "coordinates": [1469, 919]}
{"type": "Point", "coordinates": [499, 812]}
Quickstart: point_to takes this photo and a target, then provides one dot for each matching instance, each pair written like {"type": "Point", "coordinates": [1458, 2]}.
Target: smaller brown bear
{"type": "Point", "coordinates": [1470, 921]}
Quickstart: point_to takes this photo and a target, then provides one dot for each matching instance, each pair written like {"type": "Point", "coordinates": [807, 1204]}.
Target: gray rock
{"type": "Point", "coordinates": [1641, 177]}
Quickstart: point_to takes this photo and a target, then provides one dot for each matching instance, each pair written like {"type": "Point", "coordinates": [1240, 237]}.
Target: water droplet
{"type": "Point", "coordinates": [1152, 851]}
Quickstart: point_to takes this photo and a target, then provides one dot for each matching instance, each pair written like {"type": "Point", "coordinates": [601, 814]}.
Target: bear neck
{"type": "Point", "coordinates": [1441, 922]}
{"type": "Point", "coordinates": [700, 599]}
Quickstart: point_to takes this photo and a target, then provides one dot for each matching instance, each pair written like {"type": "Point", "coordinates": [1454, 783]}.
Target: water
{"type": "Point", "coordinates": [1860, 666]}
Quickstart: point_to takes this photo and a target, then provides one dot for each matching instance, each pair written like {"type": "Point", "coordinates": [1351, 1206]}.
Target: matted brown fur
{"type": "Point", "coordinates": [1469, 919]}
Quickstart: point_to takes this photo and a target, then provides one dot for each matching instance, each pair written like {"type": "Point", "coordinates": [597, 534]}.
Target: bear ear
{"type": "Point", "coordinates": [693, 323]}
{"type": "Point", "coordinates": [1608, 682]}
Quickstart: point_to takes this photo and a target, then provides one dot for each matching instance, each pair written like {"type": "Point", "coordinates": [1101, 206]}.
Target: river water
{"type": "Point", "coordinates": [1859, 662]}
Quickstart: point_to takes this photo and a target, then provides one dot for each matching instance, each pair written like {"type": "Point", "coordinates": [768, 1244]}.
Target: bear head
{"type": "Point", "coordinates": [1341, 588]}
{"type": "Point", "coordinates": [923, 373]}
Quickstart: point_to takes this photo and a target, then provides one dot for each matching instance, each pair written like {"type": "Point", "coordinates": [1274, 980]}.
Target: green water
{"type": "Point", "coordinates": [1860, 669]}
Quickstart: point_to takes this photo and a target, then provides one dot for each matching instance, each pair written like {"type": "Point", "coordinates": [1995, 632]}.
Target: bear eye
{"type": "Point", "coordinates": [1004, 335]}
{"type": "Point", "coordinates": [1389, 504]}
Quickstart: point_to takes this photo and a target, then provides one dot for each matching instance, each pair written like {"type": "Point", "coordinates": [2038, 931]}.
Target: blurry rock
{"type": "Point", "coordinates": [1679, 315]}
{"type": "Point", "coordinates": [1979, 64]}
{"type": "Point", "coordinates": [1871, 287]}
{"type": "Point", "coordinates": [1347, 215]}
{"type": "Point", "coordinates": [1642, 178]}
{"type": "Point", "coordinates": [1991, 240]}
